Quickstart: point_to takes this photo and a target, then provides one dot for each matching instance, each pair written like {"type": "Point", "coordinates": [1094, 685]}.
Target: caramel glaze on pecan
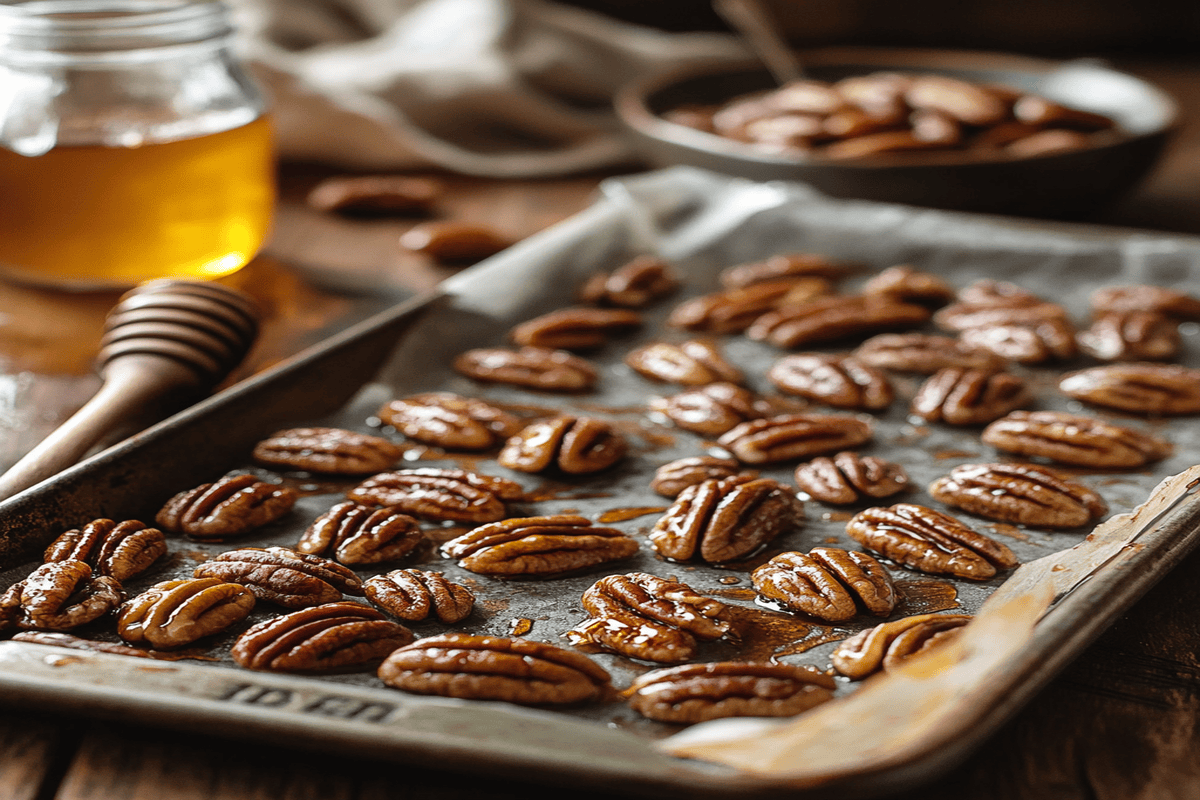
{"type": "Point", "coordinates": [632, 285]}
{"type": "Point", "coordinates": [830, 319]}
{"type": "Point", "coordinates": [1158, 299]}
{"type": "Point", "coordinates": [281, 576]}
{"type": "Point", "coordinates": [352, 533]}
{"type": "Point", "coordinates": [1071, 439]}
{"type": "Point", "coordinates": [789, 265]}
{"type": "Point", "coordinates": [701, 692]}
{"type": "Point", "coordinates": [576, 328]}
{"type": "Point", "coordinates": [734, 310]}
{"type": "Point", "coordinates": [334, 451]}
{"type": "Point", "coordinates": [1019, 493]}
{"type": "Point", "coordinates": [440, 494]}
{"type": "Point", "coordinates": [910, 285]}
{"type": "Point", "coordinates": [888, 644]}
{"type": "Point", "coordinates": [495, 668]}
{"type": "Point", "coordinates": [575, 445]}
{"type": "Point", "coordinates": [969, 396]}
{"type": "Point", "coordinates": [449, 421]}
{"type": "Point", "coordinates": [712, 409]}
{"type": "Point", "coordinates": [826, 583]}
{"type": "Point", "coordinates": [1131, 336]}
{"type": "Point", "coordinates": [414, 595]}
{"type": "Point", "coordinates": [691, 363]}
{"type": "Point", "coordinates": [929, 541]}
{"type": "Point", "coordinates": [333, 636]}
{"type": "Point", "coordinates": [650, 618]}
{"type": "Point", "coordinates": [788, 437]}
{"type": "Point", "coordinates": [233, 505]}
{"type": "Point", "coordinates": [1140, 388]}
{"type": "Point", "coordinates": [723, 520]}
{"type": "Point", "coordinates": [1033, 342]}
{"type": "Point", "coordinates": [538, 546]}
{"type": "Point", "coordinates": [118, 549]}
{"type": "Point", "coordinates": [59, 596]}
{"type": "Point", "coordinates": [530, 367]}
{"type": "Point", "coordinates": [923, 353]}
{"type": "Point", "coordinates": [178, 612]}
{"type": "Point", "coordinates": [848, 477]}
{"type": "Point", "coordinates": [673, 477]}
{"type": "Point", "coordinates": [833, 380]}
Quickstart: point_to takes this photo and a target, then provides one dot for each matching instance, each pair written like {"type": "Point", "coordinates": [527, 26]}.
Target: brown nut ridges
{"type": "Point", "coordinates": [414, 595]}
{"type": "Point", "coordinates": [449, 421]}
{"type": "Point", "coordinates": [538, 368]}
{"type": "Point", "coordinates": [575, 445]}
{"type": "Point", "coordinates": [848, 477]}
{"type": "Point", "coordinates": [787, 265]}
{"type": "Point", "coordinates": [788, 437]}
{"type": "Point", "coordinates": [691, 363]}
{"type": "Point", "coordinates": [281, 576]}
{"type": "Point", "coordinates": [178, 612]}
{"type": "Point", "coordinates": [58, 596]}
{"type": "Point", "coordinates": [538, 546]}
{"type": "Point", "coordinates": [712, 409]}
{"type": "Point", "coordinates": [889, 643]}
{"type": "Point", "coordinates": [1139, 388]}
{"type": "Point", "coordinates": [701, 692]}
{"type": "Point", "coordinates": [923, 353]}
{"type": "Point", "coordinates": [833, 380]}
{"type": "Point", "coordinates": [1072, 439]}
{"type": "Point", "coordinates": [118, 549]}
{"type": "Point", "coordinates": [634, 284]}
{"type": "Point", "coordinates": [826, 582]}
{"type": "Point", "coordinates": [332, 636]}
{"type": "Point", "coordinates": [233, 505]}
{"type": "Point", "coordinates": [673, 477]}
{"type": "Point", "coordinates": [439, 494]}
{"type": "Point", "coordinates": [333, 451]}
{"type": "Point", "coordinates": [734, 310]}
{"type": "Point", "coordinates": [352, 533]}
{"type": "Point", "coordinates": [1019, 493]}
{"type": "Point", "coordinates": [969, 396]}
{"type": "Point", "coordinates": [929, 541]}
{"type": "Point", "coordinates": [575, 328]}
{"type": "Point", "coordinates": [1131, 336]}
{"type": "Point", "coordinates": [829, 319]}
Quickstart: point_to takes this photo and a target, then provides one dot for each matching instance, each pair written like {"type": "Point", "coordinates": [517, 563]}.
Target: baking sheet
{"type": "Point", "coordinates": [703, 223]}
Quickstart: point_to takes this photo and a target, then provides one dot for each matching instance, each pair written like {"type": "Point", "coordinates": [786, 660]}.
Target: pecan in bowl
{"type": "Point", "coordinates": [495, 668]}
{"type": "Point", "coordinates": [848, 477]}
{"type": "Point", "coordinates": [929, 541]}
{"type": "Point", "coordinates": [788, 437]}
{"type": "Point", "coordinates": [833, 380]}
{"type": "Point", "coordinates": [831, 319]}
{"type": "Point", "coordinates": [575, 445]}
{"type": "Point", "coordinates": [233, 505]}
{"type": "Point", "coordinates": [59, 596]}
{"type": "Point", "coordinates": [888, 644]}
{"type": "Point", "coordinates": [118, 549]}
{"type": "Point", "coordinates": [1019, 493]}
{"type": "Point", "coordinates": [634, 284]}
{"type": "Point", "coordinates": [701, 692]}
{"type": "Point", "coordinates": [691, 363]}
{"type": "Point", "coordinates": [538, 368]}
{"type": "Point", "coordinates": [333, 451]}
{"type": "Point", "coordinates": [1131, 336]}
{"type": "Point", "coordinates": [414, 595]}
{"type": "Point", "coordinates": [1071, 439]}
{"type": "Point", "coordinates": [281, 576]}
{"type": "Point", "coordinates": [673, 477]}
{"type": "Point", "coordinates": [352, 533]}
{"type": "Point", "coordinates": [324, 638]}
{"type": "Point", "coordinates": [176, 613]}
{"type": "Point", "coordinates": [440, 494]}
{"type": "Point", "coordinates": [538, 546]}
{"type": "Point", "coordinates": [576, 328]}
{"type": "Point", "coordinates": [1140, 388]}
{"type": "Point", "coordinates": [449, 421]}
{"type": "Point", "coordinates": [712, 409]}
{"type": "Point", "coordinates": [969, 396]}
{"type": "Point", "coordinates": [923, 353]}
{"type": "Point", "coordinates": [826, 583]}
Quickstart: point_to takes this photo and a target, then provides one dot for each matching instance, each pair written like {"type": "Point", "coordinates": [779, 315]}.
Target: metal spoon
{"type": "Point", "coordinates": [758, 30]}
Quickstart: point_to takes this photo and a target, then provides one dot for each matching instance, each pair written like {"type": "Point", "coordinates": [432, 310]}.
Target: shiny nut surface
{"type": "Point", "coordinates": [712, 409]}
{"type": "Point", "coordinates": [333, 636]}
{"type": "Point", "coordinates": [352, 533]}
{"type": "Point", "coordinates": [910, 285]}
{"type": "Point", "coordinates": [789, 265]}
{"type": "Point", "coordinates": [1020, 493]}
{"type": "Point", "coordinates": [1131, 336]}
{"type": "Point", "coordinates": [415, 595]}
{"type": "Point", "coordinates": [634, 284]}
{"type": "Point", "coordinates": [454, 242]}
{"type": "Point", "coordinates": [827, 583]}
{"type": "Point", "coordinates": [929, 541]}
{"type": "Point", "coordinates": [538, 546]}
{"type": "Point", "coordinates": [1072, 439]}
{"type": "Point", "coordinates": [334, 451]}
{"type": "Point", "coordinates": [1140, 388]}
{"type": "Point", "coordinates": [531, 367]}
{"type": "Point", "coordinates": [576, 328]}
{"type": "Point", "coordinates": [871, 650]}
{"type": "Point", "coordinates": [848, 477]}
{"type": "Point", "coordinates": [118, 549]}
{"type": "Point", "coordinates": [439, 494]}
{"type": "Point", "coordinates": [830, 319]}
{"type": "Point", "coordinates": [1139, 297]}
{"type": "Point", "coordinates": [233, 505]}
{"type": "Point", "coordinates": [969, 396]}
{"type": "Point", "coordinates": [832, 380]}
{"type": "Point", "coordinates": [923, 353]}
{"type": "Point", "coordinates": [691, 363]}
{"type": "Point", "coordinates": [58, 596]}
{"type": "Point", "coordinates": [673, 477]}
{"type": "Point", "coordinates": [1025, 342]}
{"type": "Point", "coordinates": [450, 421]}
{"type": "Point", "coordinates": [178, 612]}
{"type": "Point", "coordinates": [281, 576]}
{"type": "Point", "coordinates": [575, 445]}
{"type": "Point", "coordinates": [788, 437]}
{"type": "Point", "coordinates": [701, 692]}
{"type": "Point", "coordinates": [734, 310]}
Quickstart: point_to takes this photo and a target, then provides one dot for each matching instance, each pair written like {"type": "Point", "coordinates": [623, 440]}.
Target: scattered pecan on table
{"type": "Point", "coordinates": [888, 644]}
{"type": "Point", "coordinates": [700, 692]}
{"type": "Point", "coordinates": [673, 477]}
{"type": "Point", "coordinates": [351, 533]}
{"type": "Point", "coordinates": [176, 613]}
{"type": "Point", "coordinates": [538, 368]}
{"type": "Point", "coordinates": [453, 242]}
{"type": "Point", "coordinates": [788, 437]}
{"type": "Point", "coordinates": [849, 477]}
{"type": "Point", "coordinates": [118, 549]}
{"type": "Point", "coordinates": [281, 576]}
{"type": "Point", "coordinates": [233, 505]}
{"type": "Point", "coordinates": [833, 380]}
{"type": "Point", "coordinates": [414, 595]}
{"type": "Point", "coordinates": [1019, 493]}
{"type": "Point", "coordinates": [440, 494]}
{"type": "Point", "coordinates": [332, 636]}
{"type": "Point", "coordinates": [1072, 439]}
{"type": "Point", "coordinates": [575, 445]}
{"type": "Point", "coordinates": [827, 583]}
{"type": "Point", "coordinates": [1140, 388]}
{"type": "Point", "coordinates": [333, 451]}
{"type": "Point", "coordinates": [450, 421]}
{"type": "Point", "coordinates": [59, 596]}
{"type": "Point", "coordinates": [539, 546]}
{"type": "Point", "coordinates": [375, 195]}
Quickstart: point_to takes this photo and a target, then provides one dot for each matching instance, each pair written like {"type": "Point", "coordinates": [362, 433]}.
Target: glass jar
{"type": "Point", "coordinates": [133, 145]}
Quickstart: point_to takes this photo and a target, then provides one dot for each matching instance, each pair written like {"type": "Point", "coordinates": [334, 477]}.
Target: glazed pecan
{"type": "Point", "coordinates": [351, 533]}
{"type": "Point", "coordinates": [929, 541]}
{"type": "Point", "coordinates": [889, 643]}
{"type": "Point", "coordinates": [791, 265]}
{"type": "Point", "coordinates": [451, 241]}
{"type": "Point", "coordinates": [654, 619]}
{"type": "Point", "coordinates": [495, 668]}
{"type": "Point", "coordinates": [734, 310]}
{"type": "Point", "coordinates": [58, 596]}
{"type": "Point", "coordinates": [332, 636]}
{"type": "Point", "coordinates": [789, 437]}
{"type": "Point", "coordinates": [1131, 336]}
{"type": "Point", "coordinates": [439, 494]}
{"type": "Point", "coordinates": [1071, 439]}
{"type": "Point", "coordinates": [530, 367]}
{"type": "Point", "coordinates": [701, 692]}
{"type": "Point", "coordinates": [829, 319]}
{"type": "Point", "coordinates": [330, 450]}
{"type": "Point", "coordinates": [969, 396]}
{"type": "Point", "coordinates": [576, 328]}
{"type": "Point", "coordinates": [991, 306]}
{"type": "Point", "coordinates": [922, 353]}
{"type": "Point", "coordinates": [988, 292]}
{"type": "Point", "coordinates": [1019, 493]}
{"type": "Point", "coordinates": [72, 642]}
{"type": "Point", "coordinates": [117, 549]}
{"type": "Point", "coordinates": [281, 576]}
{"type": "Point", "coordinates": [1138, 387]}
{"type": "Point", "coordinates": [832, 380]}
{"type": "Point", "coordinates": [691, 363]}
{"type": "Point", "coordinates": [1158, 299]}
{"type": "Point", "coordinates": [575, 445]}
{"type": "Point", "coordinates": [414, 595]}
{"type": "Point", "coordinates": [723, 520]}
{"type": "Point", "coordinates": [672, 478]}
{"type": "Point", "coordinates": [848, 477]}
{"type": "Point", "coordinates": [826, 583]}
{"type": "Point", "coordinates": [178, 612]}
{"type": "Point", "coordinates": [712, 409]}
{"type": "Point", "coordinates": [632, 285]}
{"type": "Point", "coordinates": [234, 504]}
{"type": "Point", "coordinates": [966, 102]}
{"type": "Point", "coordinates": [449, 421]}
{"type": "Point", "coordinates": [907, 284]}
{"type": "Point", "coordinates": [1025, 342]}
{"type": "Point", "coordinates": [537, 546]}
{"type": "Point", "coordinates": [375, 194]}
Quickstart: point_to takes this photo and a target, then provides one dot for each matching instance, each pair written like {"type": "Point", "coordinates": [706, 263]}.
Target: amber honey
{"type": "Point", "coordinates": [93, 216]}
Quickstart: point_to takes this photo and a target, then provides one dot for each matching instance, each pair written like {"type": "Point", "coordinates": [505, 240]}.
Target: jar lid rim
{"type": "Point", "coordinates": [83, 25]}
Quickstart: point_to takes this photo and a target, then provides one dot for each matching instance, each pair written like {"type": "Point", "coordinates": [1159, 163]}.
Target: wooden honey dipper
{"type": "Point", "coordinates": [161, 338]}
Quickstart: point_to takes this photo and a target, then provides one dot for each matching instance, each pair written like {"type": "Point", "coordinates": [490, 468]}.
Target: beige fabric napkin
{"type": "Point", "coordinates": [502, 88]}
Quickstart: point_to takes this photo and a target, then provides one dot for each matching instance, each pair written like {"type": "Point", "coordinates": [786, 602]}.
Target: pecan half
{"type": "Point", "coordinates": [966, 102]}
{"type": "Point", "coordinates": [1019, 493]}
{"type": "Point", "coordinates": [414, 595]}
{"type": "Point", "coordinates": [352, 533]}
{"type": "Point", "coordinates": [117, 549]}
{"type": "Point", "coordinates": [451, 241]}
{"type": "Point", "coordinates": [375, 194]}
{"type": "Point", "coordinates": [992, 307]}
{"type": "Point", "coordinates": [1137, 387]}
{"type": "Point", "coordinates": [439, 494]}
{"type": "Point", "coordinates": [177, 613]}
{"type": "Point", "coordinates": [58, 596]}
{"type": "Point", "coordinates": [632, 285]}
{"type": "Point", "coordinates": [495, 668]}
{"type": "Point", "coordinates": [330, 450]}
{"type": "Point", "coordinates": [575, 445]}
{"type": "Point", "coordinates": [791, 265]}
{"type": "Point", "coordinates": [1158, 299]}
{"type": "Point", "coordinates": [723, 520]}
{"type": "Point", "coordinates": [332, 636]}
{"type": "Point", "coordinates": [672, 478]}
{"type": "Point", "coordinates": [969, 396]}
{"type": "Point", "coordinates": [1131, 336]}
{"type": "Point", "coordinates": [450, 421]}
{"type": "Point", "coordinates": [1071, 439]}
{"type": "Point", "coordinates": [889, 643]}
{"type": "Point", "coordinates": [829, 319]}
{"type": "Point", "coordinates": [1025, 342]}
{"type": "Point", "coordinates": [826, 582]}
{"type": "Point", "coordinates": [691, 363]}
{"type": "Point", "coordinates": [923, 353]}
{"type": "Point", "coordinates": [654, 619]}
{"type": "Point", "coordinates": [734, 310]}
{"type": "Point", "coordinates": [576, 328]}
{"type": "Point", "coordinates": [789, 437]}
{"type": "Point", "coordinates": [281, 576]}
{"type": "Point", "coordinates": [907, 284]}
{"type": "Point", "coordinates": [929, 541]}
{"type": "Point", "coordinates": [701, 692]}
{"type": "Point", "coordinates": [832, 380]}
{"type": "Point", "coordinates": [848, 477]}
{"type": "Point", "coordinates": [235, 504]}
{"type": "Point", "coordinates": [712, 409]}
{"type": "Point", "coordinates": [537, 546]}
{"type": "Point", "coordinates": [530, 367]}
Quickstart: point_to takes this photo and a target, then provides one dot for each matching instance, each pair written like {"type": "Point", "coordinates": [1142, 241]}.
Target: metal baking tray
{"type": "Point", "coordinates": [1073, 585]}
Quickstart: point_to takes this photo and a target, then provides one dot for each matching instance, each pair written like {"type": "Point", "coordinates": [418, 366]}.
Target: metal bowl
{"type": "Point", "coordinates": [1063, 185]}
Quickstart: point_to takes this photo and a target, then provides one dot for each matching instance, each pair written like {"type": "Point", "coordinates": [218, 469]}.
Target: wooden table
{"type": "Point", "coordinates": [1122, 722]}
